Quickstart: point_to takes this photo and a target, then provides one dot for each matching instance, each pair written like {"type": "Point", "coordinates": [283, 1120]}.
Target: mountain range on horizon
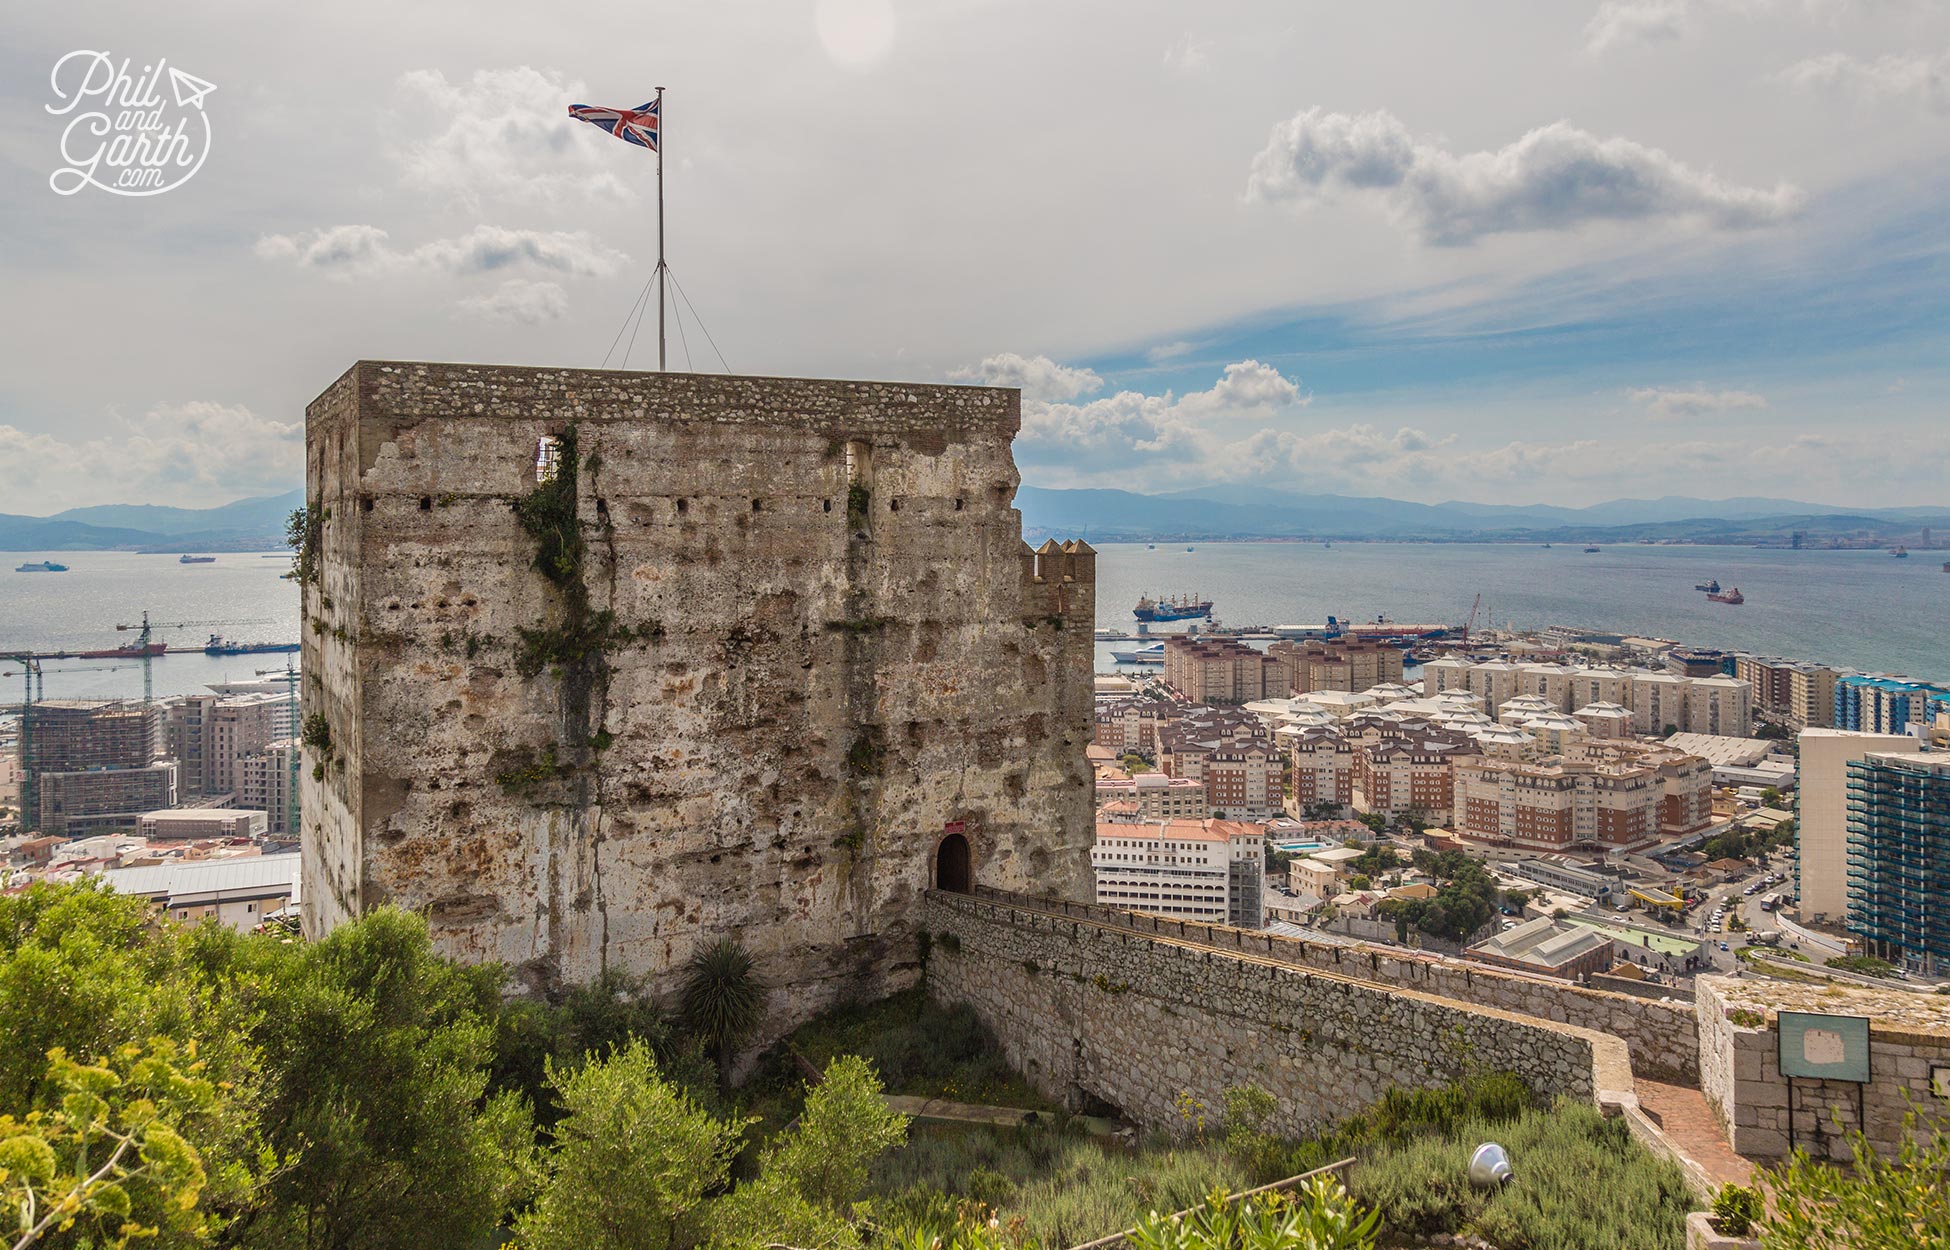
{"type": "Point", "coordinates": [1203, 512]}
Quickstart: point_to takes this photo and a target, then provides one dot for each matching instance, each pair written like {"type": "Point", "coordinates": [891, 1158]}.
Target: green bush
{"type": "Point", "coordinates": [1735, 1208]}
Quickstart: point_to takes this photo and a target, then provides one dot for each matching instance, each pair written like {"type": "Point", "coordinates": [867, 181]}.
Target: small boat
{"type": "Point", "coordinates": [1732, 596]}
{"type": "Point", "coordinates": [1590, 551]}
{"type": "Point", "coordinates": [1946, 566]}
{"type": "Point", "coordinates": [41, 566]}
{"type": "Point", "coordinates": [1151, 546]}
{"type": "Point", "coordinates": [1901, 553]}
{"type": "Point", "coordinates": [1151, 653]}
{"type": "Point", "coordinates": [1189, 548]}
{"type": "Point", "coordinates": [1711, 588]}
{"type": "Point", "coordinates": [189, 559]}
{"type": "Point", "coordinates": [1547, 546]}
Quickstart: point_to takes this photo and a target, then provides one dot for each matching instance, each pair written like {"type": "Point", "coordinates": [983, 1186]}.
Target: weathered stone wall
{"type": "Point", "coordinates": [1662, 1036]}
{"type": "Point", "coordinates": [1740, 1070]}
{"type": "Point", "coordinates": [814, 646]}
{"type": "Point", "coordinates": [1137, 1019]}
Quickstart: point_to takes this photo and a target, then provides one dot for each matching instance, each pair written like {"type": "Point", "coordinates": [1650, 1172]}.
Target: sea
{"type": "Point", "coordinates": [1857, 609]}
{"type": "Point", "coordinates": [242, 595]}
{"type": "Point", "coordinates": [1864, 610]}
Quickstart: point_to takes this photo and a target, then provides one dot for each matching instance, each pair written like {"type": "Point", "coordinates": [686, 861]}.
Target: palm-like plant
{"type": "Point", "coordinates": [722, 1000]}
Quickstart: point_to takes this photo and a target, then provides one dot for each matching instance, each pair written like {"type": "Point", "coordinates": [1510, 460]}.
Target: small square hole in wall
{"type": "Point", "coordinates": [683, 506]}
{"type": "Point", "coordinates": [757, 506]}
{"type": "Point", "coordinates": [826, 505]}
{"type": "Point", "coordinates": [426, 503]}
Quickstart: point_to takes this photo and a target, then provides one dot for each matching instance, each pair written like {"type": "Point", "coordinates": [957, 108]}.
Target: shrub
{"type": "Point", "coordinates": [1319, 1217]}
{"type": "Point", "coordinates": [722, 1001]}
{"type": "Point", "coordinates": [1735, 1208]}
{"type": "Point", "coordinates": [1878, 1204]}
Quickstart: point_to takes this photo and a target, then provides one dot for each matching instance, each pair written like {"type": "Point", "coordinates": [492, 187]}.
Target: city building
{"type": "Point", "coordinates": [1231, 755]}
{"type": "Point", "coordinates": [268, 780]}
{"type": "Point", "coordinates": [1885, 705]}
{"type": "Point", "coordinates": [189, 823]}
{"type": "Point", "coordinates": [240, 891]}
{"type": "Point", "coordinates": [1336, 664]}
{"type": "Point", "coordinates": [209, 735]}
{"type": "Point", "coordinates": [1320, 771]}
{"type": "Point", "coordinates": [1656, 699]}
{"type": "Point", "coordinates": [93, 764]}
{"type": "Point", "coordinates": [1821, 808]}
{"type": "Point", "coordinates": [1407, 769]}
{"type": "Point", "coordinates": [1205, 870]}
{"type": "Point", "coordinates": [1566, 877]}
{"type": "Point", "coordinates": [1128, 724]}
{"type": "Point", "coordinates": [1606, 795]}
{"type": "Point", "coordinates": [1322, 873]}
{"type": "Point", "coordinates": [1222, 671]}
{"type": "Point", "coordinates": [97, 800]}
{"type": "Point", "coordinates": [1156, 796]}
{"type": "Point", "coordinates": [1899, 858]}
{"type": "Point", "coordinates": [1547, 947]}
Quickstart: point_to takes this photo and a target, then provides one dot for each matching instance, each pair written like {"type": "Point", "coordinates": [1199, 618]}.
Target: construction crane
{"type": "Point", "coordinates": [32, 668]}
{"type": "Point", "coordinates": [1470, 624]}
{"type": "Point", "coordinates": [143, 644]}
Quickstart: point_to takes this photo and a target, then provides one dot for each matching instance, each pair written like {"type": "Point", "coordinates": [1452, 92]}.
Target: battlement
{"type": "Point", "coordinates": [709, 682]}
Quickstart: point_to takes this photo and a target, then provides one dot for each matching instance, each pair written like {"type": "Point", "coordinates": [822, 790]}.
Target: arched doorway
{"type": "Point", "coordinates": [951, 866]}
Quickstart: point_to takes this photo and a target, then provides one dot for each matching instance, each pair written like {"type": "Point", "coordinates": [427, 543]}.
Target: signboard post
{"type": "Point", "coordinates": [1824, 1048]}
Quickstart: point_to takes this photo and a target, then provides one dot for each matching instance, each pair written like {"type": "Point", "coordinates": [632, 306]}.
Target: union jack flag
{"type": "Point", "coordinates": [637, 125]}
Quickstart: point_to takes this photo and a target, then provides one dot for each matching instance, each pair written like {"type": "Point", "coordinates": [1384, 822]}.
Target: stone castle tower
{"type": "Point", "coordinates": [602, 666]}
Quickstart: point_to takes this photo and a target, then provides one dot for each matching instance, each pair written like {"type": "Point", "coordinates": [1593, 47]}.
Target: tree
{"type": "Point", "coordinates": [1877, 1204]}
{"type": "Point", "coordinates": [108, 1158]}
{"type": "Point", "coordinates": [89, 972]}
{"type": "Point", "coordinates": [1770, 797]}
{"type": "Point", "coordinates": [376, 1054]}
{"type": "Point", "coordinates": [633, 1158]}
{"type": "Point", "coordinates": [1359, 881]}
{"type": "Point", "coordinates": [722, 1001]}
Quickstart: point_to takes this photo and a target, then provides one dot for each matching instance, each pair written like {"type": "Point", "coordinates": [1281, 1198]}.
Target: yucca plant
{"type": "Point", "coordinates": [722, 1001]}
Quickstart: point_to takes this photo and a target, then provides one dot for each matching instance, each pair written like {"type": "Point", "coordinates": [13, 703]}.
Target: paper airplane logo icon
{"type": "Point", "coordinates": [189, 89]}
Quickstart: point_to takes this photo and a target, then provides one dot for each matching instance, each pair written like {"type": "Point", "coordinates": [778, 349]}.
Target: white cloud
{"type": "Point", "coordinates": [1636, 21]}
{"type": "Point", "coordinates": [1168, 351]}
{"type": "Point", "coordinates": [362, 251]}
{"type": "Point", "coordinates": [1039, 377]}
{"type": "Point", "coordinates": [1674, 403]}
{"type": "Point", "coordinates": [1921, 78]}
{"type": "Point", "coordinates": [506, 134]}
{"type": "Point", "coordinates": [1621, 22]}
{"type": "Point", "coordinates": [518, 300]}
{"type": "Point", "coordinates": [1188, 55]}
{"type": "Point", "coordinates": [195, 454]}
{"type": "Point", "coordinates": [1556, 177]}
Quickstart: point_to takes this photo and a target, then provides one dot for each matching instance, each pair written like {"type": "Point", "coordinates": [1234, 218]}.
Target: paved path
{"type": "Point", "coordinates": [1684, 1116]}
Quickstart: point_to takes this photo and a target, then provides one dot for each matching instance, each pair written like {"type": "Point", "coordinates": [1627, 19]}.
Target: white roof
{"type": "Point", "coordinates": [210, 880]}
{"type": "Point", "coordinates": [1720, 749]}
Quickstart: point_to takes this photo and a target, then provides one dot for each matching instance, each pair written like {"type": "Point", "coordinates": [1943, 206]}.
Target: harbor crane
{"type": "Point", "coordinates": [1470, 624]}
{"type": "Point", "coordinates": [144, 634]}
{"type": "Point", "coordinates": [31, 667]}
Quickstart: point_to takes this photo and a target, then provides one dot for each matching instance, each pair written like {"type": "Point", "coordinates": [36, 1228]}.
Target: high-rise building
{"type": "Point", "coordinates": [1821, 830]}
{"type": "Point", "coordinates": [1899, 858]}
{"type": "Point", "coordinates": [210, 735]}
{"type": "Point", "coordinates": [96, 764]}
{"type": "Point", "coordinates": [268, 781]}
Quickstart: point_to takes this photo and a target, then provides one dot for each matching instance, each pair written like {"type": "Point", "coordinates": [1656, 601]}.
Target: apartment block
{"type": "Point", "coordinates": [1335, 664]}
{"type": "Point", "coordinates": [1320, 770]}
{"type": "Point", "coordinates": [1230, 754]}
{"type": "Point", "coordinates": [1155, 796]}
{"type": "Point", "coordinates": [1885, 705]}
{"type": "Point", "coordinates": [268, 781]}
{"type": "Point", "coordinates": [1205, 870]}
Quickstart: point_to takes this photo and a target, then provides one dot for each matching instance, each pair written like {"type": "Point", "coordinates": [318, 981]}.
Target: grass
{"type": "Point", "coordinates": [1065, 1187]}
{"type": "Point", "coordinates": [1581, 1181]}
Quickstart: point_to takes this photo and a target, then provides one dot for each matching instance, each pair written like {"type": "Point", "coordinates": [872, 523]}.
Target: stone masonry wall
{"type": "Point", "coordinates": [1137, 1019]}
{"type": "Point", "coordinates": [1662, 1036]}
{"type": "Point", "coordinates": [1740, 1071]}
{"type": "Point", "coordinates": [814, 648]}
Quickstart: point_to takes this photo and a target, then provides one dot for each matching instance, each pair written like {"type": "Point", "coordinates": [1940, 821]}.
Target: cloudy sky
{"type": "Point", "coordinates": [1550, 251]}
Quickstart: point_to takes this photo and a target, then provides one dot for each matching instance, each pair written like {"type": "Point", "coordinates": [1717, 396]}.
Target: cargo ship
{"type": "Point", "coordinates": [41, 566]}
{"type": "Point", "coordinates": [127, 651]}
{"type": "Point", "coordinates": [1901, 553]}
{"type": "Point", "coordinates": [189, 559]}
{"type": "Point", "coordinates": [1711, 588]}
{"type": "Point", "coordinates": [1732, 596]}
{"type": "Point", "coordinates": [219, 645]}
{"type": "Point", "coordinates": [1181, 608]}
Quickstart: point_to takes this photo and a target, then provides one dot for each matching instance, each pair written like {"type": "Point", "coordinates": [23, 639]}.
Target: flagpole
{"type": "Point", "coordinates": [660, 230]}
